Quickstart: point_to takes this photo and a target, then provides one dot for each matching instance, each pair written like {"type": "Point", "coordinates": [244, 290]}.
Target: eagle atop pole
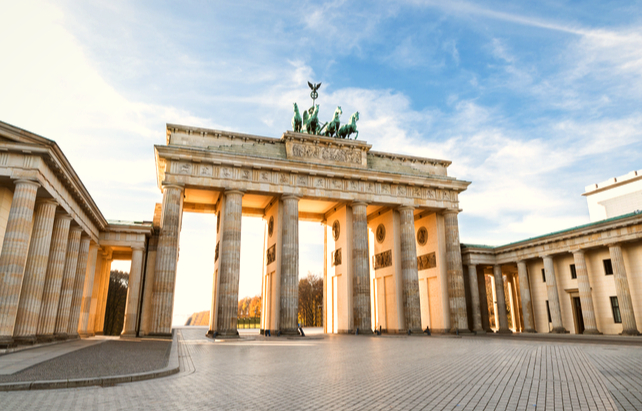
{"type": "Point", "coordinates": [314, 94]}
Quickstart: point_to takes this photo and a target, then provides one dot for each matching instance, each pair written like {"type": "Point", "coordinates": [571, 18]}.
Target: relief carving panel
{"type": "Point", "coordinates": [383, 260]}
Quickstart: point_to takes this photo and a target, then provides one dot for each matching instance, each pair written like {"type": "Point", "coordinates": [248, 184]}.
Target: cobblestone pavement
{"type": "Point", "coordinates": [348, 372]}
{"type": "Point", "coordinates": [114, 357]}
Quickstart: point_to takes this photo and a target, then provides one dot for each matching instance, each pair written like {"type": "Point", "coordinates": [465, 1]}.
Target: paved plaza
{"type": "Point", "coordinates": [347, 372]}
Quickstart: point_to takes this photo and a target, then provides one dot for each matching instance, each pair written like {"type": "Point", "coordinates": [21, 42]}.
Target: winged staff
{"type": "Point", "coordinates": [309, 122]}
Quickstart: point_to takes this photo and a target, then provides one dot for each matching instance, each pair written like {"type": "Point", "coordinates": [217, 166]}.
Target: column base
{"type": "Point", "coordinates": [530, 331]}
{"type": "Point", "coordinates": [25, 340]}
{"type": "Point", "coordinates": [73, 336]}
{"type": "Point", "coordinates": [160, 335]}
{"type": "Point", "coordinates": [86, 335]}
{"type": "Point", "coordinates": [61, 337]}
{"type": "Point", "coordinates": [479, 332]}
{"type": "Point", "coordinates": [7, 342]}
{"type": "Point", "coordinates": [506, 331]}
{"type": "Point", "coordinates": [128, 335]}
{"type": "Point", "coordinates": [290, 332]}
{"type": "Point", "coordinates": [460, 331]}
{"type": "Point", "coordinates": [559, 330]}
{"type": "Point", "coordinates": [365, 331]}
{"type": "Point", "coordinates": [45, 338]}
{"type": "Point", "coordinates": [592, 332]}
{"type": "Point", "coordinates": [100, 333]}
{"type": "Point", "coordinates": [634, 333]}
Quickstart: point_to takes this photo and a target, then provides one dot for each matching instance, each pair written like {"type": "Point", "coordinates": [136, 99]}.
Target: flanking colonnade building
{"type": "Point", "coordinates": [392, 257]}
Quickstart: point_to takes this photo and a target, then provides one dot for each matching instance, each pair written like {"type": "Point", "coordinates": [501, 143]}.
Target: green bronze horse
{"type": "Point", "coordinates": [296, 120]}
{"type": "Point", "coordinates": [351, 127]}
{"type": "Point", "coordinates": [332, 129]}
{"type": "Point", "coordinates": [310, 120]}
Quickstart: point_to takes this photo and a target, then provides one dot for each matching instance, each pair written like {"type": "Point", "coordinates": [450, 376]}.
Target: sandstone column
{"type": "Point", "coordinates": [361, 269]}
{"type": "Point", "coordinates": [14, 255]}
{"type": "Point", "coordinates": [474, 294]}
{"type": "Point", "coordinates": [456, 289]}
{"type": "Point", "coordinates": [629, 327]}
{"type": "Point", "coordinates": [35, 271]}
{"type": "Point", "coordinates": [553, 296]}
{"type": "Point", "coordinates": [525, 294]}
{"type": "Point", "coordinates": [53, 280]}
{"type": "Point", "coordinates": [289, 303]}
{"type": "Point", "coordinates": [84, 323]}
{"type": "Point", "coordinates": [79, 282]}
{"type": "Point", "coordinates": [230, 264]}
{"type": "Point", "coordinates": [501, 314]}
{"type": "Point", "coordinates": [586, 298]}
{"type": "Point", "coordinates": [67, 285]}
{"type": "Point", "coordinates": [133, 293]}
{"type": "Point", "coordinates": [409, 273]}
{"type": "Point", "coordinates": [99, 323]}
{"type": "Point", "coordinates": [166, 261]}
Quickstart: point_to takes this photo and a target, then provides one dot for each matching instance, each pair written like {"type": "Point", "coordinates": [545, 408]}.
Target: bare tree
{"type": "Point", "coordinates": [310, 299]}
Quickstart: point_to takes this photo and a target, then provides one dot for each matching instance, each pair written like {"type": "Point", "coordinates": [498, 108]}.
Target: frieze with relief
{"type": "Point", "coordinates": [335, 257]}
{"type": "Point", "coordinates": [270, 255]}
{"type": "Point", "coordinates": [426, 261]}
{"type": "Point", "coordinates": [227, 172]}
{"type": "Point", "coordinates": [383, 260]}
{"type": "Point", "coordinates": [316, 152]}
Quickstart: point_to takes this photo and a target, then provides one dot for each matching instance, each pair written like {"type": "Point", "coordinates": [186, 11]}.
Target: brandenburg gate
{"type": "Point", "coordinates": [392, 253]}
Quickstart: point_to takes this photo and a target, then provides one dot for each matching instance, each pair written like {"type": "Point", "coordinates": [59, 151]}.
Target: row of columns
{"type": "Point", "coordinates": [622, 289]}
{"type": "Point", "coordinates": [229, 269]}
{"type": "Point", "coordinates": [42, 264]}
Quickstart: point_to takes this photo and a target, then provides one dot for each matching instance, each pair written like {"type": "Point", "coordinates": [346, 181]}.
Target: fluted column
{"type": "Point", "coordinates": [35, 270]}
{"type": "Point", "coordinates": [230, 264]}
{"type": "Point", "coordinates": [166, 261]}
{"type": "Point", "coordinates": [289, 297]}
{"type": "Point", "coordinates": [361, 269]}
{"type": "Point", "coordinates": [502, 315]}
{"type": "Point", "coordinates": [553, 296]}
{"type": "Point", "coordinates": [67, 284]}
{"type": "Point", "coordinates": [53, 280]}
{"type": "Point", "coordinates": [456, 289]}
{"type": "Point", "coordinates": [474, 296]}
{"type": "Point", "coordinates": [629, 327]}
{"type": "Point", "coordinates": [133, 293]}
{"type": "Point", "coordinates": [99, 323]}
{"type": "Point", "coordinates": [85, 326]}
{"type": "Point", "coordinates": [586, 297]}
{"type": "Point", "coordinates": [525, 294]}
{"type": "Point", "coordinates": [79, 282]}
{"type": "Point", "coordinates": [409, 273]}
{"type": "Point", "coordinates": [13, 257]}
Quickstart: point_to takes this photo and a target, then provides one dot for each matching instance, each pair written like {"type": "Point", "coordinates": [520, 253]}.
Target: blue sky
{"type": "Point", "coordinates": [531, 101]}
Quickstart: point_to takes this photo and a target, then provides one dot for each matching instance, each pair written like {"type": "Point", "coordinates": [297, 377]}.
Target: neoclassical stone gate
{"type": "Point", "coordinates": [392, 253]}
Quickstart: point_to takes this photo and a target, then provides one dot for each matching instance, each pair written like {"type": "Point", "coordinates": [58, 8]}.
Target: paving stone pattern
{"type": "Point", "coordinates": [102, 360]}
{"type": "Point", "coordinates": [371, 373]}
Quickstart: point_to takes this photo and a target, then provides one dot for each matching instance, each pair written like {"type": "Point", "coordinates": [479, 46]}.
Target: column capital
{"type": "Point", "coordinates": [234, 191]}
{"type": "Point", "coordinates": [450, 211]}
{"type": "Point", "coordinates": [614, 244]}
{"type": "Point", "coordinates": [359, 203]}
{"type": "Point", "coordinates": [290, 197]}
{"type": "Point", "coordinates": [63, 216]}
{"type": "Point", "coordinates": [168, 185]}
{"type": "Point", "coordinates": [46, 201]}
{"type": "Point", "coordinates": [138, 247]}
{"type": "Point", "coordinates": [406, 207]}
{"type": "Point", "coordinates": [578, 251]}
{"type": "Point", "coordinates": [75, 228]}
{"type": "Point", "coordinates": [26, 181]}
{"type": "Point", "coordinates": [521, 261]}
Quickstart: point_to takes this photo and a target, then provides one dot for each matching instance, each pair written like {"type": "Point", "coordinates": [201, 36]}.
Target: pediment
{"type": "Point", "coordinates": [13, 134]}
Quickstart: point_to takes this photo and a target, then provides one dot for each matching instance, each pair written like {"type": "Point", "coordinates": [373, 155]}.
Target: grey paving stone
{"type": "Point", "coordinates": [348, 372]}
